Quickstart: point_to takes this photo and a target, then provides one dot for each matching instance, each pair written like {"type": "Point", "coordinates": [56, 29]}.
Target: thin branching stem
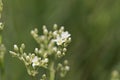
{"type": "Point", "coordinates": [52, 71]}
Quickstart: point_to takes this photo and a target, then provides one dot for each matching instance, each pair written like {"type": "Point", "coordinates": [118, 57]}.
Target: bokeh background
{"type": "Point", "coordinates": [94, 25]}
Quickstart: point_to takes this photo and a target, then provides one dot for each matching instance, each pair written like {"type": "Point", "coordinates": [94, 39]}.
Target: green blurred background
{"type": "Point", "coordinates": [94, 25]}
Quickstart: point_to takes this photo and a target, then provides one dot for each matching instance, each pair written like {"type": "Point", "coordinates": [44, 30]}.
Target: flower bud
{"type": "Point", "coordinates": [44, 27]}
{"type": "Point", "coordinates": [13, 53]}
{"type": "Point", "coordinates": [21, 50]}
{"type": "Point", "coordinates": [33, 55]}
{"type": "Point", "coordinates": [27, 58]}
{"type": "Point", "coordinates": [69, 39]}
{"type": "Point", "coordinates": [36, 50]}
{"type": "Point", "coordinates": [23, 46]}
{"type": "Point", "coordinates": [45, 31]}
{"type": "Point", "coordinates": [36, 30]}
{"type": "Point", "coordinates": [44, 77]}
{"type": "Point", "coordinates": [59, 65]}
{"type": "Point", "coordinates": [55, 26]}
{"type": "Point", "coordinates": [55, 49]}
{"type": "Point", "coordinates": [42, 38]}
{"type": "Point", "coordinates": [55, 33]}
{"type": "Point", "coordinates": [46, 60]}
{"type": "Point", "coordinates": [32, 32]}
{"type": "Point", "coordinates": [58, 53]}
{"type": "Point", "coordinates": [65, 62]}
{"type": "Point", "coordinates": [67, 68]}
{"type": "Point", "coordinates": [24, 54]}
{"type": "Point", "coordinates": [16, 48]}
{"type": "Point", "coordinates": [62, 28]}
{"type": "Point", "coordinates": [63, 53]}
{"type": "Point", "coordinates": [1, 26]}
{"type": "Point", "coordinates": [64, 49]}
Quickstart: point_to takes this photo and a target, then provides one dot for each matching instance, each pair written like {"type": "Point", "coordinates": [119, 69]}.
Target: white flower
{"type": "Point", "coordinates": [62, 38]}
{"type": "Point", "coordinates": [65, 35]}
{"type": "Point", "coordinates": [58, 40]}
{"type": "Point", "coordinates": [35, 61]}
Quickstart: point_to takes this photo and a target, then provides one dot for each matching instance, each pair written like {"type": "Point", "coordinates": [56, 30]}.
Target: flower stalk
{"type": "Point", "coordinates": [52, 71]}
{"type": "Point", "coordinates": [2, 47]}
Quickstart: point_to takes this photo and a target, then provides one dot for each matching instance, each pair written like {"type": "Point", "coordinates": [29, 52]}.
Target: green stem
{"type": "Point", "coordinates": [0, 39]}
{"type": "Point", "coordinates": [2, 70]}
{"type": "Point", "coordinates": [34, 78]}
{"type": "Point", "coordinates": [52, 71]}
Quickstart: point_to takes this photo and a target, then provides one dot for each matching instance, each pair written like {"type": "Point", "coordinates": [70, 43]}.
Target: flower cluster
{"type": "Point", "coordinates": [63, 68]}
{"type": "Point", "coordinates": [31, 60]}
{"type": "Point", "coordinates": [53, 46]}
